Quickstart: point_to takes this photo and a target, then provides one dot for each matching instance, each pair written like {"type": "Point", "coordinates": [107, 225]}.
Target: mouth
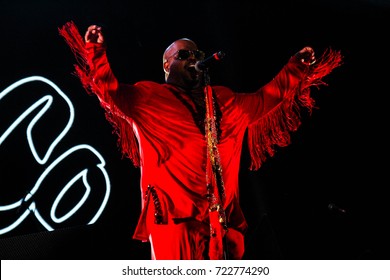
{"type": "Point", "coordinates": [192, 70]}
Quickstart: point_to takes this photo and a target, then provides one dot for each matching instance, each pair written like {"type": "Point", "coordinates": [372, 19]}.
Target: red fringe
{"type": "Point", "coordinates": [274, 129]}
{"type": "Point", "coordinates": [126, 137]}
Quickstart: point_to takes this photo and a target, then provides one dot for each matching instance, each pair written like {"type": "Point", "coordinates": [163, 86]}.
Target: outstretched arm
{"type": "Point", "coordinates": [100, 70]}
{"type": "Point", "coordinates": [279, 103]}
{"type": "Point", "coordinates": [92, 66]}
{"type": "Point", "coordinates": [96, 75]}
{"type": "Point", "coordinates": [282, 86]}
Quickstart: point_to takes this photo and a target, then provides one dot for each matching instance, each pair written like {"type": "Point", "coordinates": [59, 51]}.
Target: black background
{"type": "Point", "coordinates": [339, 154]}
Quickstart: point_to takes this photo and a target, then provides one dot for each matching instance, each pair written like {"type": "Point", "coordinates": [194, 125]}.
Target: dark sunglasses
{"type": "Point", "coordinates": [185, 54]}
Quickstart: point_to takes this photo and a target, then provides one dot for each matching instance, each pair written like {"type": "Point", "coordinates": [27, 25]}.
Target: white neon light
{"type": "Point", "coordinates": [40, 219]}
{"type": "Point", "coordinates": [62, 194]}
{"type": "Point", "coordinates": [17, 222]}
{"type": "Point", "coordinates": [38, 116]}
{"type": "Point", "coordinates": [48, 100]}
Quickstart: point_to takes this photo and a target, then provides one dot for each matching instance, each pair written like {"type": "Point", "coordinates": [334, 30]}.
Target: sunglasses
{"type": "Point", "coordinates": [185, 54]}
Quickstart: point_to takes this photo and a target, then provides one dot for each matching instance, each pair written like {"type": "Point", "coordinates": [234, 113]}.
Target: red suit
{"type": "Point", "coordinates": [161, 128]}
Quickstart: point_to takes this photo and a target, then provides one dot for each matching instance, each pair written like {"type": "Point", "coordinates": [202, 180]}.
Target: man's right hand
{"type": "Point", "coordinates": [94, 35]}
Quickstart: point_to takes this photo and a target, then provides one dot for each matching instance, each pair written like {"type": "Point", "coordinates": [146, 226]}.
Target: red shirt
{"type": "Point", "coordinates": [172, 148]}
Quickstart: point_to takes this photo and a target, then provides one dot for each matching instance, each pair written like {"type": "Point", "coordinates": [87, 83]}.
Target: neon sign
{"type": "Point", "coordinates": [74, 191]}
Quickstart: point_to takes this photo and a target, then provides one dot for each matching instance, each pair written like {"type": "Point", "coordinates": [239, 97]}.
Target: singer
{"type": "Point", "coordinates": [186, 137]}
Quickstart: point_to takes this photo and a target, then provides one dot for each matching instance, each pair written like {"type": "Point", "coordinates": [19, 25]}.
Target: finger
{"type": "Point", "coordinates": [89, 36]}
{"type": "Point", "coordinates": [94, 29]}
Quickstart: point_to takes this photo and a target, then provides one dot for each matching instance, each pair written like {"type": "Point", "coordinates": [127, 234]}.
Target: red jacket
{"type": "Point", "coordinates": [157, 130]}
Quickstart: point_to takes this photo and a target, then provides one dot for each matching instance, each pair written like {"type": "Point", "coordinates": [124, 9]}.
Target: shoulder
{"type": "Point", "coordinates": [223, 91]}
{"type": "Point", "coordinates": [149, 88]}
{"type": "Point", "coordinates": [224, 94]}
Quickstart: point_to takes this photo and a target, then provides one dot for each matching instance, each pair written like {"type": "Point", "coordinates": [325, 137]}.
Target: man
{"type": "Point", "coordinates": [186, 137]}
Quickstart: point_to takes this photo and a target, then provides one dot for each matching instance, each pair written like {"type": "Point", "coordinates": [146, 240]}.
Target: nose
{"type": "Point", "coordinates": [192, 55]}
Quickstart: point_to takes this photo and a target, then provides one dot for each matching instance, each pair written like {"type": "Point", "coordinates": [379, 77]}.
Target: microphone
{"type": "Point", "coordinates": [208, 61]}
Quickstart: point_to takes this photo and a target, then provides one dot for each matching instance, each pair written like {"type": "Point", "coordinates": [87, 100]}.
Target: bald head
{"type": "Point", "coordinates": [172, 48]}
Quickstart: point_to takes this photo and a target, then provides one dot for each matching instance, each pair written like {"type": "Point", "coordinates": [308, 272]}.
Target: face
{"type": "Point", "coordinates": [179, 64]}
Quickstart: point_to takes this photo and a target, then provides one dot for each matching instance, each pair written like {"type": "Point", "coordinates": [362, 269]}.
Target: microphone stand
{"type": "Point", "coordinates": [208, 95]}
{"type": "Point", "coordinates": [206, 77]}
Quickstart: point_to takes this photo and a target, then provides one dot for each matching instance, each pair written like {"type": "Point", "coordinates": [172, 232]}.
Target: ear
{"type": "Point", "coordinates": [166, 67]}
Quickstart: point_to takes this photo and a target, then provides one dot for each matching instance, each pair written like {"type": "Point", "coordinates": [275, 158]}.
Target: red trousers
{"type": "Point", "coordinates": [188, 240]}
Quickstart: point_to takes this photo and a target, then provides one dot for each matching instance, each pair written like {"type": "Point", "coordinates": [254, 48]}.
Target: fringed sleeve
{"type": "Point", "coordinates": [274, 128]}
{"type": "Point", "coordinates": [97, 78]}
